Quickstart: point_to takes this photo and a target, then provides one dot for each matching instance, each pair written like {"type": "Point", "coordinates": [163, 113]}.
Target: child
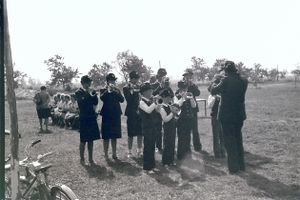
{"type": "Point", "coordinates": [111, 115]}
{"type": "Point", "coordinates": [185, 121]}
{"type": "Point", "coordinates": [169, 126]}
{"type": "Point", "coordinates": [132, 95]}
{"type": "Point", "coordinates": [72, 116]}
{"type": "Point", "coordinates": [147, 113]}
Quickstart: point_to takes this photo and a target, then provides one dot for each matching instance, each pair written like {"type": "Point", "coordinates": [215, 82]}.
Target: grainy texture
{"type": "Point", "coordinates": [271, 141]}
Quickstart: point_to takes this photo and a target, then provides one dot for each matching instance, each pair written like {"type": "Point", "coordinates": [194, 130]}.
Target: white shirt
{"type": "Point", "coordinates": [145, 107]}
{"type": "Point", "coordinates": [166, 118]}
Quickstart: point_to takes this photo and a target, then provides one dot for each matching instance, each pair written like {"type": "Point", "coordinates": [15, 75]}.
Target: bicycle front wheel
{"type": "Point", "coordinates": [62, 193]}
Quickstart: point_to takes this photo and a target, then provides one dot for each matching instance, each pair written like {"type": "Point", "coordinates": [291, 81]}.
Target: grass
{"type": "Point", "coordinates": [271, 141]}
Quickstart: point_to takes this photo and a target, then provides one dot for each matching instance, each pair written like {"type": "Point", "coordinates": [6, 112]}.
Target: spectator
{"type": "Point", "coordinates": [42, 100]}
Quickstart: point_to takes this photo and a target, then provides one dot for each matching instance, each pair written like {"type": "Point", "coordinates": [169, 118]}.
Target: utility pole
{"type": "Point", "coordinates": [2, 102]}
{"type": "Point", "coordinates": [11, 98]}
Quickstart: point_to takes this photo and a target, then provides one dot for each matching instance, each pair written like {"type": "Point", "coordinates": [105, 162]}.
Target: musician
{"type": "Point", "coordinates": [132, 95]}
{"type": "Point", "coordinates": [147, 113]}
{"type": "Point", "coordinates": [187, 104]}
{"type": "Point", "coordinates": [89, 130]}
{"type": "Point", "coordinates": [161, 74]}
{"type": "Point", "coordinates": [169, 125]}
{"type": "Point", "coordinates": [193, 88]}
{"type": "Point", "coordinates": [111, 115]}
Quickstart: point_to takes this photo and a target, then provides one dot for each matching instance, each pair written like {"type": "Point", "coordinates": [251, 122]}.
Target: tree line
{"type": "Point", "coordinates": [126, 61]}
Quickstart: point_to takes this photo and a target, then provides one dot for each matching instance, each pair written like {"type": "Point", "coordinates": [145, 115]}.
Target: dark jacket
{"type": "Point", "coordinates": [86, 103]}
{"type": "Point", "coordinates": [132, 99]}
{"type": "Point", "coordinates": [232, 89]}
{"type": "Point", "coordinates": [111, 102]}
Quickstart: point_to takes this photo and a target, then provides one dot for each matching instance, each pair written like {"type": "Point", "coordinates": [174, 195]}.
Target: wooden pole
{"type": "Point", "coordinates": [2, 124]}
{"type": "Point", "coordinates": [11, 98]}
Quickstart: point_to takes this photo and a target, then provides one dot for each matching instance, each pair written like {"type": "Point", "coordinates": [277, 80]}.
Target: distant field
{"type": "Point", "coordinates": [271, 141]}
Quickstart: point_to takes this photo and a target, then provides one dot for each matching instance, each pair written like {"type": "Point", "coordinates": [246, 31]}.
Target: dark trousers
{"type": "Point", "coordinates": [149, 149]}
{"type": "Point", "coordinates": [218, 139]}
{"type": "Point", "coordinates": [184, 129]}
{"type": "Point", "coordinates": [169, 143]}
{"type": "Point", "coordinates": [196, 137]}
{"type": "Point", "coordinates": [232, 132]}
{"type": "Point", "coordinates": [158, 134]}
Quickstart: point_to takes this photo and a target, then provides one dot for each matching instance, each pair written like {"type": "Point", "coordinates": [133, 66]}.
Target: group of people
{"type": "Point", "coordinates": [157, 116]}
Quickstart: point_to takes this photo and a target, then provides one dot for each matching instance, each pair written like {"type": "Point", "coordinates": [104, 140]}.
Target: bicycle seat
{"type": "Point", "coordinates": [42, 168]}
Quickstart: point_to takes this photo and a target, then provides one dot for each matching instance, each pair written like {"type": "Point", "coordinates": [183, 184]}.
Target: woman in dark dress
{"type": "Point", "coordinates": [89, 130]}
{"type": "Point", "coordinates": [111, 115]}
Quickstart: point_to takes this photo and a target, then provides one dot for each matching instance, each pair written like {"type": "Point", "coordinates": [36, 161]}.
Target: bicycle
{"type": "Point", "coordinates": [34, 184]}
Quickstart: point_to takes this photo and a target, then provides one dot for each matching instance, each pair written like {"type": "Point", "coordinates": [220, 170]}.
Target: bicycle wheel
{"type": "Point", "coordinates": [62, 193]}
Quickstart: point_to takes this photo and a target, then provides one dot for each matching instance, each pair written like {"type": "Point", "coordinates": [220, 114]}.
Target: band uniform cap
{"type": "Point", "coordinates": [85, 79]}
{"type": "Point", "coordinates": [161, 72]}
{"type": "Point", "coordinates": [133, 75]}
{"type": "Point", "coordinates": [145, 86]}
{"type": "Point", "coordinates": [188, 72]}
{"type": "Point", "coordinates": [111, 77]}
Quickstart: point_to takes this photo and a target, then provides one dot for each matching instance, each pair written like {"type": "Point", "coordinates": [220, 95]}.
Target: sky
{"type": "Point", "coordinates": [170, 31]}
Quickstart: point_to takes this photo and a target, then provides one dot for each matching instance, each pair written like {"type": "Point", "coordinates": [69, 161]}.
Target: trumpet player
{"type": "Point", "coordinates": [134, 129]}
{"type": "Point", "coordinates": [185, 121]}
{"type": "Point", "coordinates": [111, 115]}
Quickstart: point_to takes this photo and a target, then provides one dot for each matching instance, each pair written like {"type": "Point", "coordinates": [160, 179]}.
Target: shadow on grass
{"type": "Point", "coordinates": [97, 171]}
{"type": "Point", "coordinates": [211, 164]}
{"type": "Point", "coordinates": [256, 161]}
{"type": "Point", "coordinates": [272, 189]}
{"type": "Point", "coordinates": [124, 167]}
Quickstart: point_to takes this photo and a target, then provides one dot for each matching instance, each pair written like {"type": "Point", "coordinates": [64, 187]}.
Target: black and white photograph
{"type": "Point", "coordinates": [150, 100]}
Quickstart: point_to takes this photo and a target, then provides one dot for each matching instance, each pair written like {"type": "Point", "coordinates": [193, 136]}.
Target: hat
{"type": "Point", "coordinates": [165, 93]}
{"type": "Point", "coordinates": [111, 77]}
{"type": "Point", "coordinates": [182, 85]}
{"type": "Point", "coordinates": [161, 72]}
{"type": "Point", "coordinates": [85, 79]}
{"type": "Point", "coordinates": [133, 75]}
{"type": "Point", "coordinates": [188, 72]}
{"type": "Point", "coordinates": [145, 86]}
{"type": "Point", "coordinates": [229, 67]}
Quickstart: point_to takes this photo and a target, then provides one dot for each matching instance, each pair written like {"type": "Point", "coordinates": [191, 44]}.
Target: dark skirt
{"type": "Point", "coordinates": [89, 130]}
{"type": "Point", "coordinates": [134, 126]}
{"type": "Point", "coordinates": [111, 127]}
{"type": "Point", "coordinates": [43, 113]}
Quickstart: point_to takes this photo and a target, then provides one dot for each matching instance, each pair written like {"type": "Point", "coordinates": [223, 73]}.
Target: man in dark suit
{"type": "Point", "coordinates": [131, 93]}
{"type": "Point", "coordinates": [89, 130]}
{"type": "Point", "coordinates": [232, 114]}
{"type": "Point", "coordinates": [193, 88]}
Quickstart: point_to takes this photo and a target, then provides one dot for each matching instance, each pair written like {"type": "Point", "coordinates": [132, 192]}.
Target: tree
{"type": "Point", "coordinates": [98, 73]}
{"type": "Point", "coordinates": [296, 73]}
{"type": "Point", "coordinates": [18, 77]}
{"type": "Point", "coordinates": [243, 70]}
{"type": "Point", "coordinates": [128, 62]}
{"type": "Point", "coordinates": [274, 74]}
{"type": "Point", "coordinates": [199, 68]}
{"type": "Point", "coordinates": [256, 73]}
{"type": "Point", "coordinates": [60, 73]}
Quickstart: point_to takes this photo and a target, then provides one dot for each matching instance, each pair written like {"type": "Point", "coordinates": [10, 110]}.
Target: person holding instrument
{"type": "Point", "coordinates": [111, 115]}
{"type": "Point", "coordinates": [193, 88]}
{"type": "Point", "coordinates": [132, 95]}
{"type": "Point", "coordinates": [89, 130]}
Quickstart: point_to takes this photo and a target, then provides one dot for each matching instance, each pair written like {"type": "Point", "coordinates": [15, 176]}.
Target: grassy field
{"type": "Point", "coordinates": [271, 141]}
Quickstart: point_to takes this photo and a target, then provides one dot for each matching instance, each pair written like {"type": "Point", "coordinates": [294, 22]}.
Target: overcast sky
{"type": "Point", "coordinates": [94, 31]}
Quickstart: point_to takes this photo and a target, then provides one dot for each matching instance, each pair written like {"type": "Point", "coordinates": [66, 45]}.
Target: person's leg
{"type": "Point", "coordinates": [130, 142]}
{"type": "Point", "coordinates": [105, 146]}
{"type": "Point", "coordinates": [221, 139]}
{"type": "Point", "coordinates": [240, 147]}
{"type": "Point", "coordinates": [90, 151]}
{"type": "Point", "coordinates": [139, 145]}
{"type": "Point", "coordinates": [196, 138]}
{"type": "Point", "coordinates": [114, 148]}
{"type": "Point", "coordinates": [41, 125]}
{"type": "Point", "coordinates": [231, 147]}
{"type": "Point", "coordinates": [158, 140]}
{"type": "Point", "coordinates": [81, 151]}
{"type": "Point", "coordinates": [215, 137]}
{"type": "Point", "coordinates": [46, 123]}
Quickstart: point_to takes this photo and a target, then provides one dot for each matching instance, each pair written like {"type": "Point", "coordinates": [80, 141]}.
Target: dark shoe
{"type": "Point", "coordinates": [47, 131]}
{"type": "Point", "coordinates": [92, 163]}
{"type": "Point", "coordinates": [82, 162]}
{"type": "Point", "coordinates": [41, 130]}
